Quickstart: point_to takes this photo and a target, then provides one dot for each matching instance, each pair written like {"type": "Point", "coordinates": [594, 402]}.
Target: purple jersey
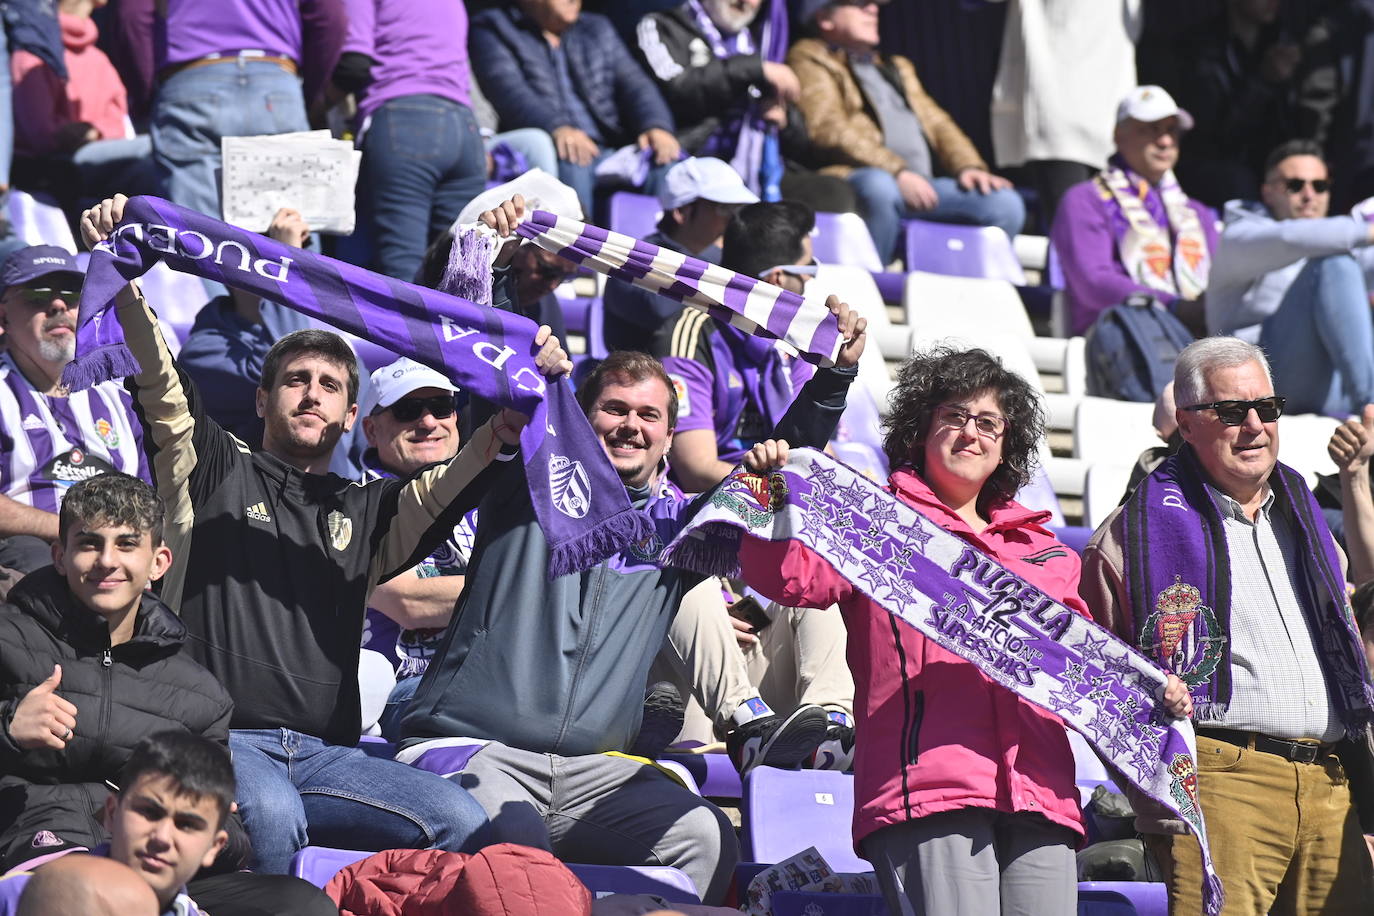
{"type": "Point", "coordinates": [49, 443]}
{"type": "Point", "coordinates": [420, 46]}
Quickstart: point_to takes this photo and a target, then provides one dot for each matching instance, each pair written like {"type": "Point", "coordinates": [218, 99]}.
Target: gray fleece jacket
{"type": "Point", "coordinates": [1258, 258]}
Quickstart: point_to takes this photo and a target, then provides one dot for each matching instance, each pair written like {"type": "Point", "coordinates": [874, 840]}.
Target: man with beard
{"type": "Point", "coordinates": [49, 438]}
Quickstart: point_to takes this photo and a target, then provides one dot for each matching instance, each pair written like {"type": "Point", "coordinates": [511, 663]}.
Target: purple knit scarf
{"type": "Point", "coordinates": [578, 498]}
{"type": "Point", "coordinates": [1180, 587]}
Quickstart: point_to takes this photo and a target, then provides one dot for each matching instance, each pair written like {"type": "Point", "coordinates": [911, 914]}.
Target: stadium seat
{"type": "Point", "coordinates": [1111, 431]}
{"type": "Point", "coordinates": [1302, 444]}
{"type": "Point", "coordinates": [1122, 898]}
{"type": "Point", "coordinates": [842, 238]}
{"type": "Point", "coordinates": [966, 305]}
{"type": "Point", "coordinates": [714, 774]}
{"type": "Point", "coordinates": [962, 251]}
{"type": "Point", "coordinates": [660, 880]}
{"type": "Point", "coordinates": [377, 746]}
{"type": "Point", "coordinates": [37, 220]}
{"type": "Point", "coordinates": [1074, 536]}
{"type": "Point", "coordinates": [634, 215]}
{"type": "Point", "coordinates": [786, 811]}
{"type": "Point", "coordinates": [797, 903]}
{"type": "Point", "coordinates": [885, 340]}
{"type": "Point", "coordinates": [318, 864]}
{"type": "Point", "coordinates": [1103, 488]}
{"type": "Point", "coordinates": [1059, 306]}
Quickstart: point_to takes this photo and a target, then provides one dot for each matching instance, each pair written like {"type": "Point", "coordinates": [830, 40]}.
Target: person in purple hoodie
{"type": "Point", "coordinates": [423, 157]}
{"type": "Point", "coordinates": [222, 68]}
{"type": "Point", "coordinates": [1132, 229]}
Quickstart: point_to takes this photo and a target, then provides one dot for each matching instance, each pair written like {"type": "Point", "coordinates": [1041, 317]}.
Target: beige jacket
{"type": "Point", "coordinates": [844, 129]}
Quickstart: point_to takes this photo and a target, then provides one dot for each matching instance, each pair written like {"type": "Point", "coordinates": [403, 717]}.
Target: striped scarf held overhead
{"type": "Point", "coordinates": [804, 326]}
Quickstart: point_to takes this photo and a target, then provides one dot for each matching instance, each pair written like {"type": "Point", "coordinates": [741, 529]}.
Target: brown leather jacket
{"type": "Point", "coordinates": [844, 128]}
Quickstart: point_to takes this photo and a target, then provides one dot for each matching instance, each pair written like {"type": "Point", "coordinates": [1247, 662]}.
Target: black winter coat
{"type": "Point", "coordinates": [121, 694]}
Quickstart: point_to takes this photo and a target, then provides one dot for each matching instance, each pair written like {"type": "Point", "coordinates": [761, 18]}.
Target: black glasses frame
{"type": "Point", "coordinates": [1295, 185]}
{"type": "Point", "coordinates": [408, 410]}
{"type": "Point", "coordinates": [1233, 413]}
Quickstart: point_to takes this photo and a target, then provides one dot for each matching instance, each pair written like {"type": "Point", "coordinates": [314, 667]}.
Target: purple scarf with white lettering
{"type": "Point", "coordinates": [578, 498]}
{"type": "Point", "coordinates": [967, 603]}
{"type": "Point", "coordinates": [1178, 577]}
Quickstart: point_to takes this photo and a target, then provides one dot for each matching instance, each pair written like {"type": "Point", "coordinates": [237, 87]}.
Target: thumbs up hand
{"type": "Point", "coordinates": [43, 719]}
{"type": "Point", "coordinates": [1353, 442]}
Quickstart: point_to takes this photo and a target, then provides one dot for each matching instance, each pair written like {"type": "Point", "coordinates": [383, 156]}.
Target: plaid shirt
{"type": "Point", "coordinates": [1278, 688]}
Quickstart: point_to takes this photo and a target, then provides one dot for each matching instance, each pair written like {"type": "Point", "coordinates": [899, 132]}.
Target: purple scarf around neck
{"type": "Point", "coordinates": [578, 498]}
{"type": "Point", "coordinates": [1178, 577]}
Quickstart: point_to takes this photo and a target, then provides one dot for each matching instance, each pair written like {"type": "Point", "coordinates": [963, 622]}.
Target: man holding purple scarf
{"type": "Point", "coordinates": [51, 437]}
{"type": "Point", "coordinates": [1220, 568]}
{"type": "Point", "coordinates": [1132, 229]}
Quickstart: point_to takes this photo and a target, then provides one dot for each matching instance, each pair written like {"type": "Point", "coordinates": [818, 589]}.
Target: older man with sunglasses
{"type": "Point", "coordinates": [1221, 569]}
{"type": "Point", "coordinates": [1296, 281]}
{"type": "Point", "coordinates": [50, 438]}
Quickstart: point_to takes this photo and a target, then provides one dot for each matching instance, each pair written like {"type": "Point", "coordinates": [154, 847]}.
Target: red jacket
{"type": "Point", "coordinates": [502, 880]}
{"type": "Point", "coordinates": [969, 743]}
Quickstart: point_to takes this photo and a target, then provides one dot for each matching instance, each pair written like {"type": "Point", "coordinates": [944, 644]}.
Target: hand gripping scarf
{"type": "Point", "coordinates": [578, 498]}
{"type": "Point", "coordinates": [967, 603]}
{"type": "Point", "coordinates": [1180, 587]}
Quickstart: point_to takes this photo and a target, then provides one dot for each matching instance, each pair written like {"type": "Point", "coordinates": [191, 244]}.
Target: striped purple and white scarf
{"type": "Point", "coordinates": [578, 497]}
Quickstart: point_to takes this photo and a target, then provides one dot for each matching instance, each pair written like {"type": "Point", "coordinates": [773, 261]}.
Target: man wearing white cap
{"type": "Point", "coordinates": [1132, 229]}
{"type": "Point", "coordinates": [411, 421]}
{"type": "Point", "coordinates": [698, 197]}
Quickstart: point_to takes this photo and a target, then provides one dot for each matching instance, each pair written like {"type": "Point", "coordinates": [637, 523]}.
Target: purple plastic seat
{"type": "Point", "coordinates": [1075, 536]}
{"type": "Point", "coordinates": [714, 773]}
{"type": "Point", "coordinates": [1122, 898]}
{"type": "Point", "coordinates": [796, 903]}
{"type": "Point", "coordinates": [842, 238]}
{"type": "Point", "coordinates": [376, 746]}
{"type": "Point", "coordinates": [660, 880]}
{"type": "Point", "coordinates": [635, 215]}
{"type": "Point", "coordinates": [785, 811]}
{"type": "Point", "coordinates": [317, 864]}
{"type": "Point", "coordinates": [962, 251]}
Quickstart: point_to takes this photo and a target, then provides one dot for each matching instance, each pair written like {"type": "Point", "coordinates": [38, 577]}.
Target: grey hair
{"type": "Point", "coordinates": [1203, 357]}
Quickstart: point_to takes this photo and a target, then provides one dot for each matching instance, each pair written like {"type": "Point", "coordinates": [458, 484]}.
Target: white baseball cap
{"type": "Point", "coordinates": [390, 383]}
{"type": "Point", "coordinates": [703, 179]}
{"type": "Point", "coordinates": [1150, 104]}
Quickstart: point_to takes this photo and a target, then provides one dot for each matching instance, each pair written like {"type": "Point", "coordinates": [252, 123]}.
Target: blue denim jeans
{"type": "Point", "coordinates": [294, 790]}
{"type": "Point", "coordinates": [195, 108]}
{"type": "Point", "coordinates": [6, 111]}
{"type": "Point", "coordinates": [532, 143]}
{"type": "Point", "coordinates": [423, 160]}
{"type": "Point", "coordinates": [390, 721]}
{"type": "Point", "coordinates": [1320, 342]}
{"type": "Point", "coordinates": [582, 179]}
{"type": "Point", "coordinates": [882, 207]}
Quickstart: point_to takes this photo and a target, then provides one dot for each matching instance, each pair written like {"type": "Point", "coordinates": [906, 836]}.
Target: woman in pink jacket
{"type": "Point", "coordinates": [964, 795]}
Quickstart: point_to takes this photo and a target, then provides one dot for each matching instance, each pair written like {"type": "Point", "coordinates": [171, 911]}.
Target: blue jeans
{"type": "Point", "coordinates": [423, 160]}
{"type": "Point", "coordinates": [582, 179]}
{"type": "Point", "coordinates": [295, 789]}
{"type": "Point", "coordinates": [6, 111]}
{"type": "Point", "coordinates": [532, 143]}
{"type": "Point", "coordinates": [882, 207]}
{"type": "Point", "coordinates": [390, 722]}
{"type": "Point", "coordinates": [195, 108]}
{"type": "Point", "coordinates": [1320, 342]}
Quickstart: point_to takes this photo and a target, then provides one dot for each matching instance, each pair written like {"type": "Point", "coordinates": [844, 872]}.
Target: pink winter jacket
{"type": "Point", "coordinates": [964, 742]}
{"type": "Point", "coordinates": [43, 103]}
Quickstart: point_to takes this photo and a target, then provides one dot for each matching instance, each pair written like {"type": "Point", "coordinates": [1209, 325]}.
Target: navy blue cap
{"type": "Point", "coordinates": [28, 264]}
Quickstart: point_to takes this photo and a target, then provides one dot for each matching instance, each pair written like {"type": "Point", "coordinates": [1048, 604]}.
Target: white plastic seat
{"type": "Point", "coordinates": [1302, 444]}
{"type": "Point", "coordinates": [963, 305]}
{"type": "Point", "coordinates": [855, 286]}
{"type": "Point", "coordinates": [1107, 430]}
{"type": "Point", "coordinates": [1102, 491]}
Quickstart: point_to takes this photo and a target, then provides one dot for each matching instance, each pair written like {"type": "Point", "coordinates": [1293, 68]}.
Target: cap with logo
{"type": "Point", "coordinates": [1150, 104]}
{"type": "Point", "coordinates": [703, 178]}
{"type": "Point", "coordinates": [28, 264]}
{"type": "Point", "coordinates": [390, 383]}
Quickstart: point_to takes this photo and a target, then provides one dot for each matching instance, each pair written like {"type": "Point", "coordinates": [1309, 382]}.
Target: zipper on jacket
{"type": "Point", "coordinates": [913, 736]}
{"type": "Point", "coordinates": [107, 698]}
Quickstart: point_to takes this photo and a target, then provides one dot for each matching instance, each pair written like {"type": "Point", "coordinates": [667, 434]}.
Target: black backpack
{"type": "Point", "coordinates": [1131, 349]}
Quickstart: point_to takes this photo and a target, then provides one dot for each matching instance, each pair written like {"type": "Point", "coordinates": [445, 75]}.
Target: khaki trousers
{"type": "Point", "coordinates": [1284, 838]}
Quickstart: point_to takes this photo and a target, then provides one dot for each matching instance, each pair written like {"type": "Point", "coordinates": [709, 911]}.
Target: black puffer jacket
{"type": "Point", "coordinates": [49, 799]}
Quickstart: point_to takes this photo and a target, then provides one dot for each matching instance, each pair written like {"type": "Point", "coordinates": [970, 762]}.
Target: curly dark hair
{"type": "Point", "coordinates": [944, 374]}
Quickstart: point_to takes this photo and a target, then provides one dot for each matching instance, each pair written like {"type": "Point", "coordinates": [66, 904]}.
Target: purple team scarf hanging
{"type": "Point", "coordinates": [1180, 584]}
{"type": "Point", "coordinates": [806, 328]}
{"type": "Point", "coordinates": [578, 498]}
{"type": "Point", "coordinates": [969, 604]}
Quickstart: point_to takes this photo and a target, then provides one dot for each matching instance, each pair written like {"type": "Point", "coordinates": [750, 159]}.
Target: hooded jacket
{"type": "Point", "coordinates": [961, 740]}
{"type": "Point", "coordinates": [122, 693]}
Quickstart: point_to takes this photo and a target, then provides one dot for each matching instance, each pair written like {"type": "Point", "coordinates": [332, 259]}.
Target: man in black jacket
{"type": "Point", "coordinates": [90, 663]}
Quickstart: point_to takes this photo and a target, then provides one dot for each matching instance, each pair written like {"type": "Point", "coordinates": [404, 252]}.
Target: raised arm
{"type": "Point", "coordinates": [1350, 447]}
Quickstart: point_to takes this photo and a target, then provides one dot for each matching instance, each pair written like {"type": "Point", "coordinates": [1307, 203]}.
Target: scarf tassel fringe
{"type": "Point", "coordinates": [629, 526]}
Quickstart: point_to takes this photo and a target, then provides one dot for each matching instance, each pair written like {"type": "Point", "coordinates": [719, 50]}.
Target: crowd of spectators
{"type": "Point", "coordinates": [204, 563]}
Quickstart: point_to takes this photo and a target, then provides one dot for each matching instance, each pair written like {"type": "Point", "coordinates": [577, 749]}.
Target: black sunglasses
{"type": "Point", "coordinates": [408, 410]}
{"type": "Point", "coordinates": [1294, 185]}
{"type": "Point", "coordinates": [1233, 413]}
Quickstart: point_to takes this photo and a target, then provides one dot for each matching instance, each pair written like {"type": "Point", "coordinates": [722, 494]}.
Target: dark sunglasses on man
{"type": "Point", "coordinates": [1233, 413]}
{"type": "Point", "coordinates": [1295, 185]}
{"type": "Point", "coordinates": [41, 296]}
{"type": "Point", "coordinates": [408, 410]}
